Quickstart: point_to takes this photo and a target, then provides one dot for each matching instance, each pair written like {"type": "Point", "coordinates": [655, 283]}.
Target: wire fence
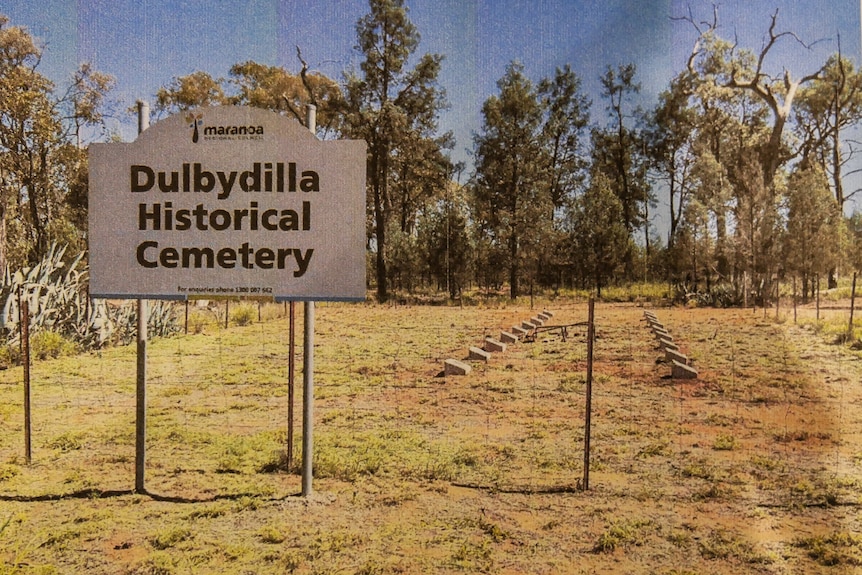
{"type": "Point", "coordinates": [764, 408]}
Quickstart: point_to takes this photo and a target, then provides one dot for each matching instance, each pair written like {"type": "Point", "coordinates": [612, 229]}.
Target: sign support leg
{"type": "Point", "coordinates": [141, 400]}
{"type": "Point", "coordinates": [308, 369]}
{"type": "Point", "coordinates": [308, 401]}
{"type": "Point", "coordinates": [141, 383]}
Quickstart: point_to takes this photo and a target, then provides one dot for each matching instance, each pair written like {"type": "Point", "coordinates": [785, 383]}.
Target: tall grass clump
{"type": "Point", "coordinates": [244, 314]}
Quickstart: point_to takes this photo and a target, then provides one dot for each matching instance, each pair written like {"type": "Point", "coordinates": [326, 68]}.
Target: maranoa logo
{"type": "Point", "coordinates": [195, 120]}
{"type": "Point", "coordinates": [250, 132]}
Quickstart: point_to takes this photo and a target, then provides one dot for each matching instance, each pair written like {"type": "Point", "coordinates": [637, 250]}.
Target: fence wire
{"type": "Point", "coordinates": [217, 402]}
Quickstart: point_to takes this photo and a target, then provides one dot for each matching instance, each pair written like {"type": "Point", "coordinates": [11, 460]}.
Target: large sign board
{"type": "Point", "coordinates": [228, 201]}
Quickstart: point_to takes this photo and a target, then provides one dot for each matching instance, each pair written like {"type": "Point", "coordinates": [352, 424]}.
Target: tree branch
{"type": "Point", "coordinates": [303, 74]}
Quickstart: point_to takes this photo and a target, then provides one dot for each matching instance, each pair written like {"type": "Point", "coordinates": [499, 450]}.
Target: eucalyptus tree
{"type": "Point", "coordinates": [564, 140]}
{"type": "Point", "coordinates": [827, 108]}
{"type": "Point", "coordinates": [42, 163]}
{"type": "Point", "coordinates": [670, 143]}
{"type": "Point", "coordinates": [268, 87]}
{"type": "Point", "coordinates": [745, 112]}
{"type": "Point", "coordinates": [618, 152]}
{"type": "Point", "coordinates": [191, 91]}
{"type": "Point", "coordinates": [394, 107]}
{"type": "Point", "coordinates": [566, 111]}
{"type": "Point", "coordinates": [277, 89]}
{"type": "Point", "coordinates": [724, 65]}
{"type": "Point", "coordinates": [445, 239]}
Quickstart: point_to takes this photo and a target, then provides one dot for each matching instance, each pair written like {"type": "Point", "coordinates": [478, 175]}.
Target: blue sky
{"type": "Point", "coordinates": [146, 43]}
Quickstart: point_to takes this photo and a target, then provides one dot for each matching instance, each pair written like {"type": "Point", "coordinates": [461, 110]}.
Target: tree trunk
{"type": "Point", "coordinates": [378, 184]}
{"type": "Point", "coordinates": [721, 259]}
{"type": "Point", "coordinates": [513, 267]}
{"type": "Point", "coordinates": [2, 239]}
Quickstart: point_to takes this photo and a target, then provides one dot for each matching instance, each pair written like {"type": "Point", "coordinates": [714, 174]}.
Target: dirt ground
{"type": "Point", "coordinates": [753, 467]}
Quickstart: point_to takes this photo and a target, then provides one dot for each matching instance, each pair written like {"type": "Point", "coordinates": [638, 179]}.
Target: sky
{"type": "Point", "coordinates": [144, 44]}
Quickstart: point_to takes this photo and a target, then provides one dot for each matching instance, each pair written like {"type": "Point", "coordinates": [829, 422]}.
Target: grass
{"type": "Point", "coordinates": [748, 469]}
{"type": "Point", "coordinates": [622, 534]}
{"type": "Point", "coordinates": [836, 548]}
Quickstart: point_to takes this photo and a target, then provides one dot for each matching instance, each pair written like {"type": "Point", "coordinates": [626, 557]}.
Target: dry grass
{"type": "Point", "coordinates": [753, 468]}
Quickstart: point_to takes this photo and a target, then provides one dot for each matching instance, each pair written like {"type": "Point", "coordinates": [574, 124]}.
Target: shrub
{"type": "Point", "coordinates": [9, 355]}
{"type": "Point", "coordinates": [50, 344]}
{"type": "Point", "coordinates": [724, 443]}
{"type": "Point", "coordinates": [57, 299]}
{"type": "Point", "coordinates": [244, 314]}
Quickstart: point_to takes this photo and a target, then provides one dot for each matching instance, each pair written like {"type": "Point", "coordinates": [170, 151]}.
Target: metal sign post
{"type": "Point", "coordinates": [308, 371]}
{"type": "Point", "coordinates": [141, 380]}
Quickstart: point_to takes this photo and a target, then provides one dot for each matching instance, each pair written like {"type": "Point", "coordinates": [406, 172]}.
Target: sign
{"type": "Point", "coordinates": [228, 201]}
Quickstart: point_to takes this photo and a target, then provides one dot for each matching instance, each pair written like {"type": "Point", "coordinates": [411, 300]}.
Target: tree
{"type": "Point", "coordinates": [563, 139]}
{"type": "Point", "coordinates": [395, 110]}
{"type": "Point", "coordinates": [188, 92]}
{"type": "Point", "coordinates": [446, 241]}
{"type": "Point", "coordinates": [599, 236]}
{"type": "Point", "coordinates": [742, 70]}
{"type": "Point", "coordinates": [566, 117]}
{"type": "Point", "coordinates": [693, 248]}
{"type": "Point", "coordinates": [814, 227]}
{"type": "Point", "coordinates": [618, 153]}
{"type": "Point", "coordinates": [511, 200]}
{"type": "Point", "coordinates": [42, 167]}
{"type": "Point", "coordinates": [826, 109]}
{"type": "Point", "coordinates": [84, 106]}
{"type": "Point", "coordinates": [274, 88]}
{"type": "Point", "coordinates": [854, 233]}
{"type": "Point", "coordinates": [670, 143]}
{"type": "Point", "coordinates": [757, 225]}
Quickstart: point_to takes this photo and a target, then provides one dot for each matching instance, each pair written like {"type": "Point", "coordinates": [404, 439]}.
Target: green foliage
{"type": "Point", "coordinates": [169, 537]}
{"type": "Point", "coordinates": [271, 534]}
{"type": "Point", "coordinates": [723, 544]}
{"type": "Point", "coordinates": [158, 563]}
{"type": "Point", "coordinates": [835, 549]}
{"type": "Point", "coordinates": [273, 88]}
{"type": "Point", "coordinates": [814, 234]}
{"type": "Point", "coordinates": [403, 257]}
{"type": "Point", "coordinates": [188, 92]}
{"type": "Point", "coordinates": [8, 471]}
{"type": "Point", "coordinates": [42, 149]}
{"type": "Point", "coordinates": [69, 441]}
{"type": "Point", "coordinates": [445, 239]}
{"type": "Point", "coordinates": [511, 205]}
{"type": "Point", "coordinates": [394, 108]}
{"type": "Point", "coordinates": [724, 442]}
{"type": "Point", "coordinates": [244, 314]}
{"type": "Point", "coordinates": [50, 344]}
{"type": "Point", "coordinates": [599, 236]}
{"type": "Point", "coordinates": [62, 316]}
{"type": "Point", "coordinates": [621, 533]}
{"type": "Point", "coordinates": [721, 295]}
{"type": "Point", "coordinates": [618, 154]}
{"type": "Point", "coordinates": [9, 355]}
